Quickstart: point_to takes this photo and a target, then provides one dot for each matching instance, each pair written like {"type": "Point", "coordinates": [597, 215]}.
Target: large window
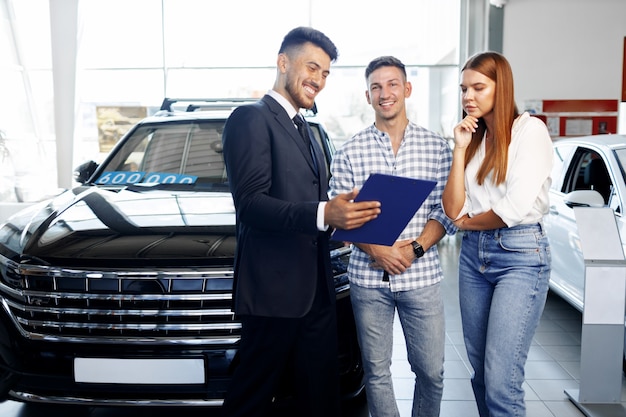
{"type": "Point", "coordinates": [134, 53]}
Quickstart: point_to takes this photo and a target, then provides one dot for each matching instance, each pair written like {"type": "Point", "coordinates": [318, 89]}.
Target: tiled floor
{"type": "Point", "coordinates": [553, 366]}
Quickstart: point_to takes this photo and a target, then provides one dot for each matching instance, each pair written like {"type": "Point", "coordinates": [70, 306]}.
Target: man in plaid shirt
{"type": "Point", "coordinates": [406, 276]}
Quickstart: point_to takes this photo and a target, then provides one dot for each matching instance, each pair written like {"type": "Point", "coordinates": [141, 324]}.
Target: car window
{"type": "Point", "coordinates": [561, 154]}
{"type": "Point", "coordinates": [178, 152]}
{"type": "Point", "coordinates": [620, 154]}
{"type": "Point", "coordinates": [588, 171]}
{"type": "Point", "coordinates": [183, 153]}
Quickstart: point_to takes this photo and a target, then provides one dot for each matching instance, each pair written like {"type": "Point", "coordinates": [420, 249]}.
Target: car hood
{"type": "Point", "coordinates": [92, 224]}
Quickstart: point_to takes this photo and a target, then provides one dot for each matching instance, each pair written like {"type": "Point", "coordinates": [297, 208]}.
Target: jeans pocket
{"type": "Point", "coordinates": [529, 248]}
{"type": "Point", "coordinates": [519, 242]}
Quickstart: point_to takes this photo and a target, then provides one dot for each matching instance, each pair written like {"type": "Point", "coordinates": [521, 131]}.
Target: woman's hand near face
{"type": "Point", "coordinates": [463, 131]}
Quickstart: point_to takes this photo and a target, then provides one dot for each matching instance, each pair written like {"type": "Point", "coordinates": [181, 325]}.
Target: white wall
{"type": "Point", "coordinates": [565, 49]}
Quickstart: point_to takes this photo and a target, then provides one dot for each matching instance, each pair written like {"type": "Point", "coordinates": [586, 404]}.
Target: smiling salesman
{"type": "Point", "coordinates": [283, 287]}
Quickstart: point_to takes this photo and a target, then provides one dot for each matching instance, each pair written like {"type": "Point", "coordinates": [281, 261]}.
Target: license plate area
{"type": "Point", "coordinates": [139, 371]}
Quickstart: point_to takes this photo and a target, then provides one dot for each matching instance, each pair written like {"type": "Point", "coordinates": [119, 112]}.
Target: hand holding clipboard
{"type": "Point", "coordinates": [400, 198]}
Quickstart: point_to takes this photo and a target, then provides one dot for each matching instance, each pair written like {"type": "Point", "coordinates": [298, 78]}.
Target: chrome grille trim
{"type": "Point", "coordinates": [172, 306]}
{"type": "Point", "coordinates": [29, 397]}
{"type": "Point", "coordinates": [101, 312]}
{"type": "Point", "coordinates": [126, 326]}
{"type": "Point", "coordinates": [127, 297]}
{"type": "Point", "coordinates": [42, 270]}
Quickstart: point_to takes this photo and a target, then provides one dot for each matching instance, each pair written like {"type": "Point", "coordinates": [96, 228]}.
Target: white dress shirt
{"type": "Point", "coordinates": [523, 197]}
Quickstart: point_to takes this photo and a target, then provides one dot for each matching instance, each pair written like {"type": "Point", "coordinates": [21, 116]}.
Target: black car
{"type": "Point", "coordinates": [118, 292]}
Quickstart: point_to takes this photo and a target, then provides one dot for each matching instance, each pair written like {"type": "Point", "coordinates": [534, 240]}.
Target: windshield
{"type": "Point", "coordinates": [186, 152]}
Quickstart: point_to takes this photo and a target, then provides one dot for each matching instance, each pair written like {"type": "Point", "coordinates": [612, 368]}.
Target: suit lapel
{"type": "Point", "coordinates": [283, 119]}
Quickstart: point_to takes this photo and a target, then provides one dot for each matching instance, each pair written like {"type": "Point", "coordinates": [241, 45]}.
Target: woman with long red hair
{"type": "Point", "coordinates": [497, 194]}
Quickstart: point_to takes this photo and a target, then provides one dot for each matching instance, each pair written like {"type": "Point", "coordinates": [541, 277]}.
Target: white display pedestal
{"type": "Point", "coordinates": [602, 339]}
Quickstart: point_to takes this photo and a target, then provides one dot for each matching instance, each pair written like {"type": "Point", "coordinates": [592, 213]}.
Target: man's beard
{"type": "Point", "coordinates": [297, 95]}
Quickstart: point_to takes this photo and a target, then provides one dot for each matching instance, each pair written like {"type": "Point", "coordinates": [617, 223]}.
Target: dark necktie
{"type": "Point", "coordinates": [303, 129]}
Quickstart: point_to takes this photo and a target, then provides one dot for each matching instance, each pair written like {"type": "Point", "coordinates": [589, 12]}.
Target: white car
{"type": "Point", "coordinates": [587, 171]}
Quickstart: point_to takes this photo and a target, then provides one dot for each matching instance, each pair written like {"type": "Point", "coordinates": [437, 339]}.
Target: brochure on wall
{"type": "Point", "coordinates": [400, 198]}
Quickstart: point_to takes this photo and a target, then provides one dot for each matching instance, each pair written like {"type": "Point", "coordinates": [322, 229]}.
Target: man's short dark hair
{"type": "Point", "coordinates": [384, 61]}
{"type": "Point", "coordinates": [303, 34]}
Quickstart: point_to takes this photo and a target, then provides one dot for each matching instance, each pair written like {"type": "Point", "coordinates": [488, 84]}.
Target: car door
{"type": "Point", "coordinates": [560, 226]}
{"type": "Point", "coordinates": [576, 168]}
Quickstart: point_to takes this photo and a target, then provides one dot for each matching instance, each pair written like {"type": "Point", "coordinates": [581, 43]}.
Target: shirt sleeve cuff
{"type": "Point", "coordinates": [320, 217]}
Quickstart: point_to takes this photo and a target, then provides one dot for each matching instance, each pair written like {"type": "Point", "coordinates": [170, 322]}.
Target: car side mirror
{"type": "Point", "coordinates": [584, 198]}
{"type": "Point", "coordinates": [84, 171]}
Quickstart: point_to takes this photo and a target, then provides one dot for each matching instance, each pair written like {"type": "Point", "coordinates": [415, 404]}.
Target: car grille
{"type": "Point", "coordinates": [191, 306]}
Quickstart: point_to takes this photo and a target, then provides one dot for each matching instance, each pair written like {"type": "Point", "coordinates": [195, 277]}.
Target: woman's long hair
{"type": "Point", "coordinates": [494, 66]}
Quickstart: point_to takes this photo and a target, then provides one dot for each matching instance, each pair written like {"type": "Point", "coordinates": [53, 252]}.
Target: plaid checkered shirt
{"type": "Point", "coordinates": [422, 155]}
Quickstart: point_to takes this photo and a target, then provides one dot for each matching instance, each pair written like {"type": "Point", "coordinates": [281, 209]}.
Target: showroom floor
{"type": "Point", "coordinates": [553, 366]}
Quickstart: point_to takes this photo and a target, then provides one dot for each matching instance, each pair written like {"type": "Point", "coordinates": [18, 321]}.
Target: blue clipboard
{"type": "Point", "coordinates": [400, 198]}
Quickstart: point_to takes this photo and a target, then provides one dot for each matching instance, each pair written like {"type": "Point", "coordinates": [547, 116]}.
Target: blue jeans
{"type": "Point", "coordinates": [503, 283]}
{"type": "Point", "coordinates": [422, 318]}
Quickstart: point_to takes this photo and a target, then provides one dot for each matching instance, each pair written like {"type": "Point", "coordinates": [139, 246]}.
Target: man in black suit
{"type": "Point", "coordinates": [284, 289]}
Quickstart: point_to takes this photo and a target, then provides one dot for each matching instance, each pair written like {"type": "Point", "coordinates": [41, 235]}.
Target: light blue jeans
{"type": "Point", "coordinates": [423, 323]}
{"type": "Point", "coordinates": [503, 283]}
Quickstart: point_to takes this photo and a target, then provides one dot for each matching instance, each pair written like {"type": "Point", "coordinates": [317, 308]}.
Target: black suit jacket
{"type": "Point", "coordinates": [276, 190]}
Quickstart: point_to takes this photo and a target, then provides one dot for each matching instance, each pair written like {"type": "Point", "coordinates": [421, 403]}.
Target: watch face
{"type": "Point", "coordinates": [417, 249]}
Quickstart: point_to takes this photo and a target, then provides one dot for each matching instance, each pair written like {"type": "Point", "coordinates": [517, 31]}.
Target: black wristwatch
{"type": "Point", "coordinates": [418, 250]}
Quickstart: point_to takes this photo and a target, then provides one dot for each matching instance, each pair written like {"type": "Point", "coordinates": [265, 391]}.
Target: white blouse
{"type": "Point", "coordinates": [523, 197]}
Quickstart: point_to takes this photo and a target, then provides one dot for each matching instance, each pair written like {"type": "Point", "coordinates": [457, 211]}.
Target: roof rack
{"type": "Point", "coordinates": [195, 104]}
{"type": "Point", "coordinates": [212, 104]}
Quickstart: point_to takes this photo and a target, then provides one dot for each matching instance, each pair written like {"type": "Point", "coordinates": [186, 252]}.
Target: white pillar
{"type": "Point", "coordinates": [63, 28]}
